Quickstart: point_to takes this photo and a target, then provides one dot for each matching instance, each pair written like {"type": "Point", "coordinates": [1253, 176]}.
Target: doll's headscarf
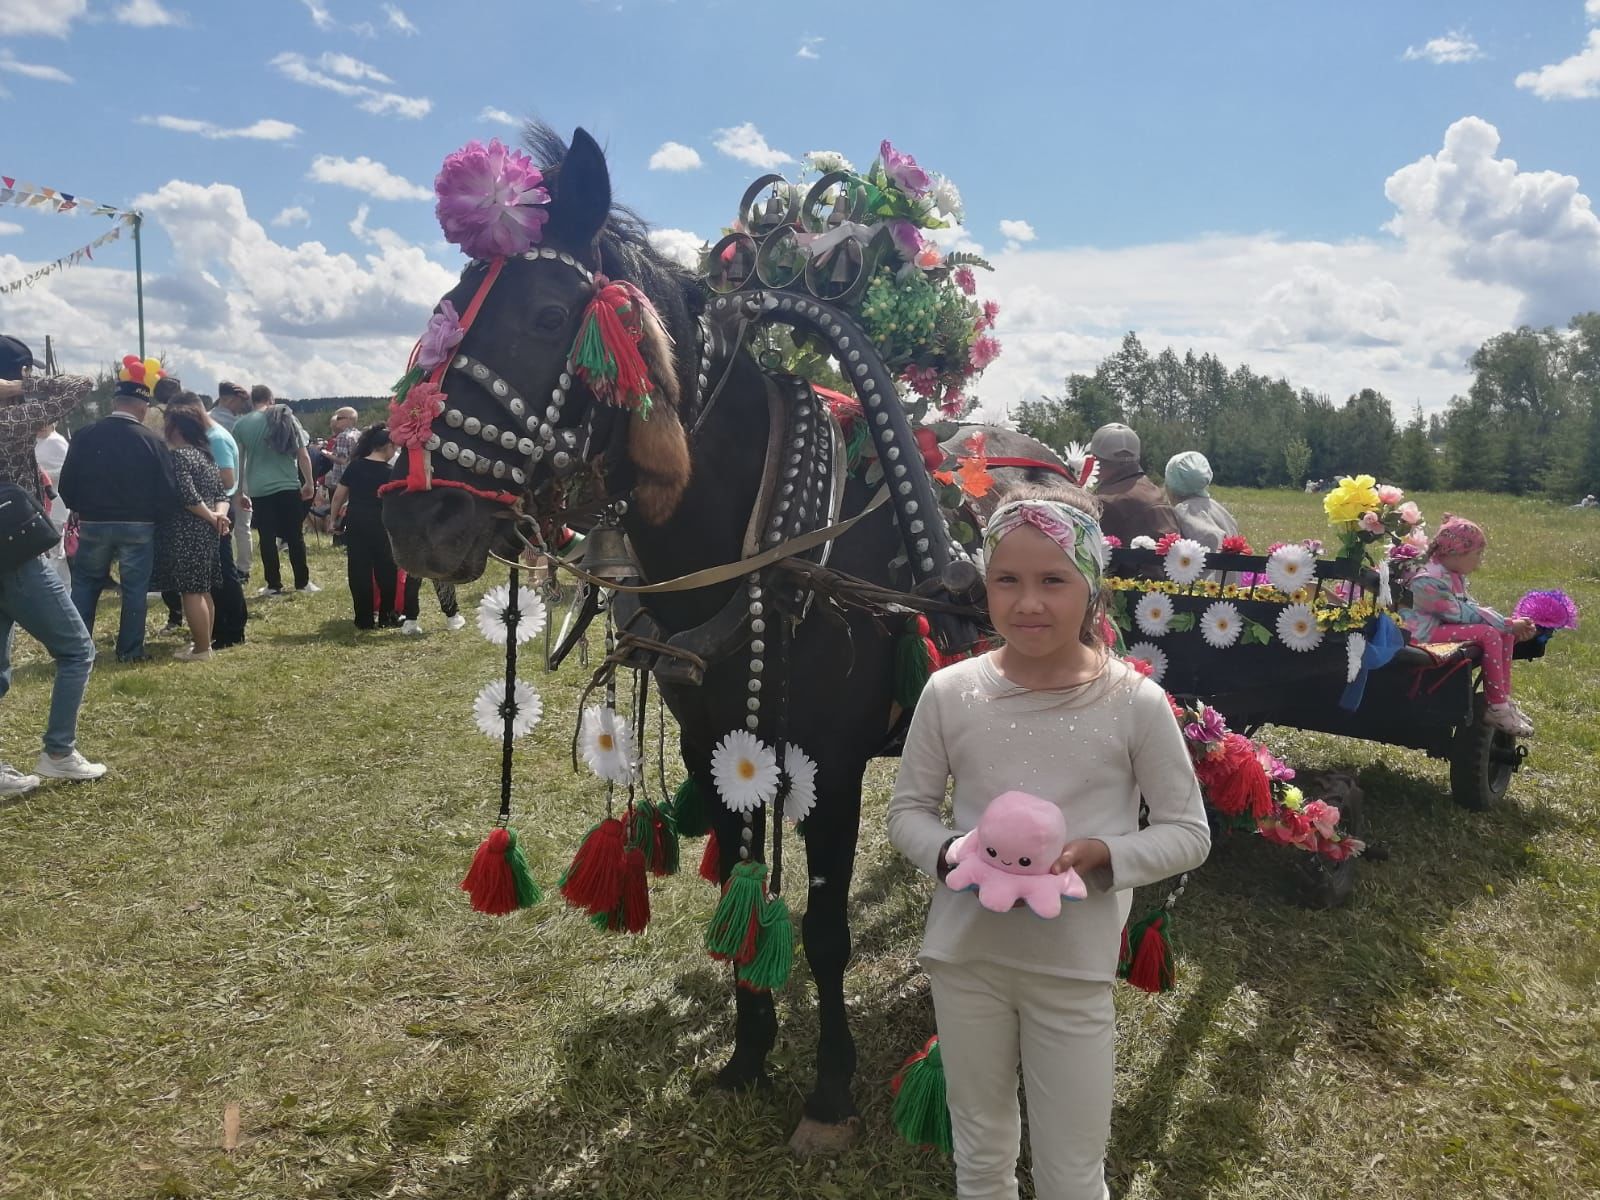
{"type": "Point", "coordinates": [1457, 535]}
{"type": "Point", "coordinates": [1075, 531]}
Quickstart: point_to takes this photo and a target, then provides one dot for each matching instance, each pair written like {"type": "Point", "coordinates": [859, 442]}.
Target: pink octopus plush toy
{"type": "Point", "coordinates": [1008, 857]}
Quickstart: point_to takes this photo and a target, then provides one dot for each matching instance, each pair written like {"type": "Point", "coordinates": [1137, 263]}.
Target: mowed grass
{"type": "Point", "coordinates": [257, 908]}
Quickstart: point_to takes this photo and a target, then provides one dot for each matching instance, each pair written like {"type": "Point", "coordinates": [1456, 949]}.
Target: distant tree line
{"type": "Point", "coordinates": [1530, 421]}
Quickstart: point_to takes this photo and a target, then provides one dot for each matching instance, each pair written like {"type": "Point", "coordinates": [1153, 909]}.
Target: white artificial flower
{"type": "Point", "coordinates": [1154, 613]}
{"type": "Point", "coordinates": [1291, 567]}
{"type": "Point", "coordinates": [1297, 628]}
{"type": "Point", "coordinates": [947, 198]}
{"type": "Point", "coordinates": [1143, 542]}
{"type": "Point", "coordinates": [745, 771]}
{"type": "Point", "coordinates": [1154, 655]}
{"type": "Point", "coordinates": [492, 614]}
{"type": "Point", "coordinates": [823, 161]}
{"type": "Point", "coordinates": [1221, 625]}
{"type": "Point", "coordinates": [1355, 648]}
{"type": "Point", "coordinates": [802, 772]}
{"type": "Point", "coordinates": [487, 709]}
{"type": "Point", "coordinates": [1186, 559]}
{"type": "Point", "coordinates": [608, 745]}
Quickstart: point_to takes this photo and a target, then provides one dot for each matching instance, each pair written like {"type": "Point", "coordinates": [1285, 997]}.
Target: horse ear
{"type": "Point", "coordinates": [582, 194]}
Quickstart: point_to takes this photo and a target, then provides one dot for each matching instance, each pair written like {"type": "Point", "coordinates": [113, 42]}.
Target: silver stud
{"type": "Point", "coordinates": [855, 356]}
{"type": "Point", "coordinates": [861, 369]}
{"type": "Point", "coordinates": [894, 453]}
{"type": "Point", "coordinates": [516, 406]}
{"type": "Point", "coordinates": [499, 388]}
{"type": "Point", "coordinates": [750, 722]}
{"type": "Point", "coordinates": [774, 537]}
{"type": "Point", "coordinates": [880, 418]}
{"type": "Point", "coordinates": [466, 457]}
{"type": "Point", "coordinates": [490, 433]}
{"type": "Point", "coordinates": [927, 564]}
{"type": "Point", "coordinates": [471, 425]}
{"type": "Point", "coordinates": [788, 489]}
{"type": "Point", "coordinates": [552, 414]}
{"type": "Point", "coordinates": [452, 418]}
{"type": "Point", "coordinates": [558, 397]}
{"type": "Point", "coordinates": [905, 488]}
{"type": "Point", "coordinates": [757, 666]}
{"type": "Point", "coordinates": [758, 647]}
{"type": "Point", "coordinates": [911, 508]}
{"type": "Point", "coordinates": [786, 304]}
{"type": "Point", "coordinates": [758, 626]}
{"type": "Point", "coordinates": [756, 610]}
{"type": "Point", "coordinates": [525, 446]}
{"type": "Point", "coordinates": [922, 545]}
{"type": "Point", "coordinates": [518, 475]}
{"type": "Point", "coordinates": [508, 439]}
{"type": "Point", "coordinates": [499, 469]}
{"type": "Point", "coordinates": [566, 381]}
{"type": "Point", "coordinates": [899, 470]}
{"type": "Point", "coordinates": [562, 460]}
{"type": "Point", "coordinates": [755, 685]}
{"type": "Point", "coordinates": [479, 371]}
{"type": "Point", "coordinates": [790, 472]}
{"type": "Point", "coordinates": [449, 450]}
{"type": "Point", "coordinates": [753, 704]}
{"type": "Point", "coordinates": [917, 527]}
{"type": "Point", "coordinates": [461, 362]}
{"type": "Point", "coordinates": [794, 460]}
{"type": "Point", "coordinates": [481, 466]}
{"type": "Point", "coordinates": [536, 453]}
{"type": "Point", "coordinates": [798, 443]}
{"type": "Point", "coordinates": [432, 443]}
{"type": "Point", "coordinates": [888, 435]}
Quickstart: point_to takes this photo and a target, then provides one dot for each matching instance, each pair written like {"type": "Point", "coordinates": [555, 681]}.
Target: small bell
{"type": "Point", "coordinates": [606, 554]}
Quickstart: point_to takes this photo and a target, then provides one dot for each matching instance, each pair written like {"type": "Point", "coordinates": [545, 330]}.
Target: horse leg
{"type": "Point", "coordinates": [755, 1026]}
{"type": "Point", "coordinates": [831, 1121]}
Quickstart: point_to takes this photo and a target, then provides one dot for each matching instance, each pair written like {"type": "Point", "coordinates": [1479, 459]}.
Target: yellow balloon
{"type": "Point", "coordinates": [152, 371]}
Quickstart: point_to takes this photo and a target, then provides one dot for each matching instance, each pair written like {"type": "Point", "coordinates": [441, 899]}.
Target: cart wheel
{"type": "Point", "coordinates": [1482, 760]}
{"type": "Point", "coordinates": [1319, 883]}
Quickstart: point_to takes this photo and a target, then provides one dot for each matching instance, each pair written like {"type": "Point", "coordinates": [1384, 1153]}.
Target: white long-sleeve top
{"type": "Point", "coordinates": [1094, 751]}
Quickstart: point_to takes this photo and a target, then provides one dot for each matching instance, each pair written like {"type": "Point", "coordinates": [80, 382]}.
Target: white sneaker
{"type": "Point", "coordinates": [310, 589]}
{"type": "Point", "coordinates": [14, 783]}
{"type": "Point", "coordinates": [73, 766]}
{"type": "Point", "coordinates": [456, 622]}
{"type": "Point", "coordinates": [410, 627]}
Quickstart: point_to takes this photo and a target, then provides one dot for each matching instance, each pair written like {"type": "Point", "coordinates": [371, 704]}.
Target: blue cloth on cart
{"type": "Point", "coordinates": [1384, 640]}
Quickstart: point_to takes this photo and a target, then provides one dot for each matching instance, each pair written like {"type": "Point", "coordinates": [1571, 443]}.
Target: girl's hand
{"type": "Point", "coordinates": [1523, 628]}
{"type": "Point", "coordinates": [1083, 856]}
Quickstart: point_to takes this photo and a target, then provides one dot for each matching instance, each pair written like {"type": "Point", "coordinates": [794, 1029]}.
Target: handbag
{"type": "Point", "coordinates": [26, 531]}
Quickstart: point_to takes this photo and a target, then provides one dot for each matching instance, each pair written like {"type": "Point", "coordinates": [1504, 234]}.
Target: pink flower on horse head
{"type": "Point", "coordinates": [966, 280]}
{"type": "Point", "coordinates": [1389, 494]}
{"type": "Point", "coordinates": [984, 351]}
{"type": "Point", "coordinates": [1208, 729]}
{"type": "Point", "coordinates": [1410, 513]}
{"type": "Point", "coordinates": [903, 171]}
{"type": "Point", "coordinates": [924, 381]}
{"type": "Point", "coordinates": [443, 334]}
{"type": "Point", "coordinates": [490, 200]}
{"type": "Point", "coordinates": [411, 419]}
{"type": "Point", "coordinates": [954, 403]}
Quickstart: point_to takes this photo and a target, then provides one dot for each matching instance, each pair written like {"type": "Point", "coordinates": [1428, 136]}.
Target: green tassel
{"type": "Point", "coordinates": [860, 438]}
{"type": "Point", "coordinates": [911, 666]}
{"type": "Point", "coordinates": [528, 893]}
{"type": "Point", "coordinates": [921, 1111]}
{"type": "Point", "coordinates": [690, 816]}
{"type": "Point", "coordinates": [731, 934]}
{"type": "Point", "coordinates": [404, 383]}
{"type": "Point", "coordinates": [769, 969]}
{"type": "Point", "coordinates": [590, 353]}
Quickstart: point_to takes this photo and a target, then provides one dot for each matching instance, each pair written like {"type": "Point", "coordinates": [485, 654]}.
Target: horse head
{"type": "Point", "coordinates": [520, 437]}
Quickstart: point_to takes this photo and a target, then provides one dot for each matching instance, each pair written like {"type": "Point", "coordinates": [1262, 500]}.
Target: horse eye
{"type": "Point", "coordinates": [992, 853]}
{"type": "Point", "coordinates": [1024, 862]}
{"type": "Point", "coordinates": [551, 318]}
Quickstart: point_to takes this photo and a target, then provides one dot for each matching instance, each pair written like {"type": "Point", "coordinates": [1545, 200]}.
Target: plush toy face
{"type": "Point", "coordinates": [1021, 834]}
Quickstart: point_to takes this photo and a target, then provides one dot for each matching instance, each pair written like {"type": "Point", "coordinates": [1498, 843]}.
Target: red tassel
{"type": "Point", "coordinates": [1151, 969]}
{"type": "Point", "coordinates": [711, 861]}
{"type": "Point", "coordinates": [594, 880]}
{"type": "Point", "coordinates": [621, 340]}
{"type": "Point", "coordinates": [489, 880]}
{"type": "Point", "coordinates": [635, 893]}
{"type": "Point", "coordinates": [661, 862]}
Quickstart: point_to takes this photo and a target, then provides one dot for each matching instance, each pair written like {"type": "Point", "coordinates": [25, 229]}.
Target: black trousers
{"type": "Point", "coordinates": [282, 515]}
{"type": "Point", "coordinates": [228, 599]}
{"type": "Point", "coordinates": [368, 558]}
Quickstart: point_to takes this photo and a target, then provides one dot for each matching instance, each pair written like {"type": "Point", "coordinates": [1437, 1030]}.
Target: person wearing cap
{"type": "Point", "coordinates": [32, 595]}
{"type": "Point", "coordinates": [233, 402]}
{"type": "Point", "coordinates": [1131, 505]}
{"type": "Point", "coordinates": [119, 479]}
{"type": "Point", "coordinates": [1200, 516]}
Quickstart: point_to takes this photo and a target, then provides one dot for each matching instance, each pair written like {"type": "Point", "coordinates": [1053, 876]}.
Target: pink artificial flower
{"type": "Point", "coordinates": [491, 203]}
{"type": "Point", "coordinates": [924, 381]}
{"type": "Point", "coordinates": [443, 334]}
{"type": "Point", "coordinates": [965, 280]}
{"type": "Point", "coordinates": [1371, 522]}
{"type": "Point", "coordinates": [1389, 494]}
{"type": "Point", "coordinates": [984, 351]}
{"type": "Point", "coordinates": [1277, 770]}
{"type": "Point", "coordinates": [1410, 513]}
{"type": "Point", "coordinates": [1402, 551]}
{"type": "Point", "coordinates": [991, 311]}
{"type": "Point", "coordinates": [1313, 544]}
{"type": "Point", "coordinates": [1113, 542]}
{"type": "Point", "coordinates": [907, 238]}
{"type": "Point", "coordinates": [1324, 817]}
{"type": "Point", "coordinates": [954, 403]}
{"type": "Point", "coordinates": [411, 419]}
{"type": "Point", "coordinates": [929, 258]}
{"type": "Point", "coordinates": [1416, 538]}
{"type": "Point", "coordinates": [903, 171]}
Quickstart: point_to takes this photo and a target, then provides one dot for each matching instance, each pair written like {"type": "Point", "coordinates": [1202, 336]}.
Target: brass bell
{"type": "Point", "coordinates": [606, 554]}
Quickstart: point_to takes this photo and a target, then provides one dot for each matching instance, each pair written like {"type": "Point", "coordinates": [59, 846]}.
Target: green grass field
{"type": "Point", "coordinates": [257, 908]}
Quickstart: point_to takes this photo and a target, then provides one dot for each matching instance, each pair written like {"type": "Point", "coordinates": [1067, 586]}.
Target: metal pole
{"type": "Point", "coordinates": [138, 277]}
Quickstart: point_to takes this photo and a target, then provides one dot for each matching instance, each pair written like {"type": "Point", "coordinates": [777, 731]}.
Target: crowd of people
{"type": "Point", "coordinates": [161, 496]}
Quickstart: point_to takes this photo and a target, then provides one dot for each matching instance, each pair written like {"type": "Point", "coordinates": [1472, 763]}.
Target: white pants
{"type": "Point", "coordinates": [1063, 1032]}
{"type": "Point", "coordinates": [241, 537]}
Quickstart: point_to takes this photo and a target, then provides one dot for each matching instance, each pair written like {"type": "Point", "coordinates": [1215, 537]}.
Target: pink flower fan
{"type": "Point", "coordinates": [1552, 609]}
{"type": "Point", "coordinates": [491, 201]}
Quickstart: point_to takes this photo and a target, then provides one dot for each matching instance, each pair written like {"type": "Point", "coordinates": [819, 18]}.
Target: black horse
{"type": "Point", "coordinates": [692, 473]}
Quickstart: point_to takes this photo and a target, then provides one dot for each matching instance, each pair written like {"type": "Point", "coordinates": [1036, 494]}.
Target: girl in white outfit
{"type": "Point", "coordinates": [1052, 713]}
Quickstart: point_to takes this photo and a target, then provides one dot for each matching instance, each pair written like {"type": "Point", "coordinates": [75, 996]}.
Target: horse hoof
{"type": "Point", "coordinates": [815, 1139]}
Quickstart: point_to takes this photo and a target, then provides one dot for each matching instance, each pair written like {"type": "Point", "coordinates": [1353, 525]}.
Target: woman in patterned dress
{"type": "Point", "coordinates": [187, 543]}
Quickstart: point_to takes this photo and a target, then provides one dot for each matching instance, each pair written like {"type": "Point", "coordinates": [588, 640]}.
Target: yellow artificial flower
{"type": "Point", "coordinates": [1351, 498]}
{"type": "Point", "coordinates": [1293, 798]}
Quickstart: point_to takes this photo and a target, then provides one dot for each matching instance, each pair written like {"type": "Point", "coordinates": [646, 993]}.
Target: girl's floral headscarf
{"type": "Point", "coordinates": [1457, 535]}
{"type": "Point", "coordinates": [1075, 531]}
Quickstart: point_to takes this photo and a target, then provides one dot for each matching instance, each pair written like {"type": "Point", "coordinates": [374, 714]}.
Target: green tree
{"type": "Point", "coordinates": [1297, 460]}
{"type": "Point", "coordinates": [1415, 463]}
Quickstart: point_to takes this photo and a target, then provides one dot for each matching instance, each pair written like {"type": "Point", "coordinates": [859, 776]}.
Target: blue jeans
{"type": "Point", "coordinates": [33, 596]}
{"type": "Point", "coordinates": [132, 546]}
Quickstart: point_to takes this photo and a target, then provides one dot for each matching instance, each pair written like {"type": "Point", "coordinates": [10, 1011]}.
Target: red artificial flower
{"type": "Point", "coordinates": [1144, 668]}
{"type": "Point", "coordinates": [1233, 779]}
{"type": "Point", "coordinates": [1167, 541]}
{"type": "Point", "coordinates": [928, 443]}
{"type": "Point", "coordinates": [1236, 545]}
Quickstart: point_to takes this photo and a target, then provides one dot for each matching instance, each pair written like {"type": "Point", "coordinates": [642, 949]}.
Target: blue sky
{"type": "Point", "coordinates": [1350, 195]}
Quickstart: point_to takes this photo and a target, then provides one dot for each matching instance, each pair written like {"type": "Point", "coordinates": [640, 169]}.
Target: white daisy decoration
{"type": "Point", "coordinates": [1297, 628]}
{"type": "Point", "coordinates": [1355, 649]}
{"type": "Point", "coordinates": [1291, 567]}
{"type": "Point", "coordinates": [492, 614]}
{"type": "Point", "coordinates": [1154, 655]}
{"type": "Point", "coordinates": [489, 709]}
{"type": "Point", "coordinates": [745, 771]}
{"type": "Point", "coordinates": [607, 744]}
{"type": "Point", "coordinates": [1085, 467]}
{"type": "Point", "coordinates": [1143, 542]}
{"type": "Point", "coordinates": [1154, 613]}
{"type": "Point", "coordinates": [1221, 625]}
{"type": "Point", "coordinates": [1186, 559]}
{"type": "Point", "coordinates": [802, 772]}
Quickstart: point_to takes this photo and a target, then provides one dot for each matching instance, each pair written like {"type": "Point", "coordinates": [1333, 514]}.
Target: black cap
{"type": "Point", "coordinates": [14, 357]}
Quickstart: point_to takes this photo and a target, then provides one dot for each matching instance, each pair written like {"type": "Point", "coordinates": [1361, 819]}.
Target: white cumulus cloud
{"type": "Point", "coordinates": [320, 16]}
{"type": "Point", "coordinates": [1016, 233]}
{"type": "Point", "coordinates": [500, 117]}
{"type": "Point", "coordinates": [398, 21]}
{"type": "Point", "coordinates": [146, 14]}
{"type": "Point", "coordinates": [1452, 47]}
{"type": "Point", "coordinates": [293, 215]}
{"type": "Point", "coordinates": [40, 71]}
{"type": "Point", "coordinates": [351, 68]}
{"type": "Point", "coordinates": [52, 18]}
{"type": "Point", "coordinates": [809, 47]}
{"type": "Point", "coordinates": [9, 227]}
{"type": "Point", "coordinates": [745, 143]}
{"type": "Point", "coordinates": [265, 130]}
{"type": "Point", "coordinates": [296, 67]}
{"type": "Point", "coordinates": [1575, 78]}
{"type": "Point", "coordinates": [363, 174]}
{"type": "Point", "coordinates": [675, 156]}
{"type": "Point", "coordinates": [680, 245]}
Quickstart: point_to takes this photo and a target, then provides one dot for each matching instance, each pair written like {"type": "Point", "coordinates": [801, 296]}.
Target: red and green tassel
{"type": "Point", "coordinates": [921, 1111]}
{"type": "Point", "coordinates": [1146, 960]}
{"type": "Point", "coordinates": [774, 956]}
{"type": "Point", "coordinates": [632, 909]}
{"type": "Point", "coordinates": [732, 934]}
{"type": "Point", "coordinates": [499, 880]}
{"type": "Point", "coordinates": [711, 860]}
{"type": "Point", "coordinates": [594, 881]}
{"type": "Point", "coordinates": [916, 658]}
{"type": "Point", "coordinates": [606, 355]}
{"type": "Point", "coordinates": [690, 815]}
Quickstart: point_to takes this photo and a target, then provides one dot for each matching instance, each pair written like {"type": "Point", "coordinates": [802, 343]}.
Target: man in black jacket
{"type": "Point", "coordinates": [119, 479]}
